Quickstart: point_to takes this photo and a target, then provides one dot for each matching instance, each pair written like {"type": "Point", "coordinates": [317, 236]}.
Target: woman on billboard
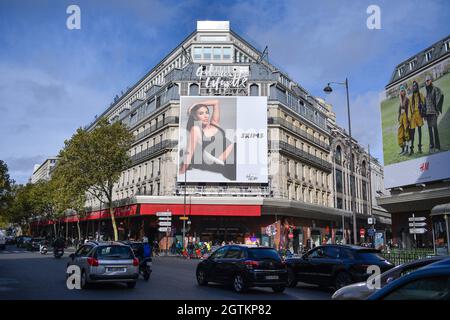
{"type": "Point", "coordinates": [204, 132]}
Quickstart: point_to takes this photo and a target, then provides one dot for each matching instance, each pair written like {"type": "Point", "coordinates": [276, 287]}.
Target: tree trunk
{"type": "Point", "coordinates": [79, 230]}
{"type": "Point", "coordinates": [113, 220]}
{"type": "Point", "coordinates": [54, 230]}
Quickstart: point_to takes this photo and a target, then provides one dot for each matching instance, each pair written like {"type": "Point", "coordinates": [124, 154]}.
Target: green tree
{"type": "Point", "coordinates": [67, 197]}
{"type": "Point", "coordinates": [21, 207]}
{"type": "Point", "coordinates": [92, 161]}
{"type": "Point", "coordinates": [44, 196]}
{"type": "Point", "coordinates": [6, 186]}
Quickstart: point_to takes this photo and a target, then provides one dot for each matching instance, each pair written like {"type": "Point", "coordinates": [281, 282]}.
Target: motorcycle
{"type": "Point", "coordinates": [145, 268]}
{"type": "Point", "coordinates": [58, 252]}
{"type": "Point", "coordinates": [43, 249]}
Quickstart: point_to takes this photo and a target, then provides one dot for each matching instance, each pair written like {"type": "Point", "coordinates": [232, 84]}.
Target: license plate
{"type": "Point", "coordinates": [272, 277]}
{"type": "Point", "coordinates": [149, 264]}
{"type": "Point", "coordinates": [113, 269]}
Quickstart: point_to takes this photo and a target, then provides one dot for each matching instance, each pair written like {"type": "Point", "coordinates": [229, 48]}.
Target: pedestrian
{"type": "Point", "coordinates": [434, 100]}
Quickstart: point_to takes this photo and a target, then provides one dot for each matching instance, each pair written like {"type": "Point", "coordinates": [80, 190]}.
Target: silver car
{"type": "Point", "coordinates": [106, 262]}
{"type": "Point", "coordinates": [360, 290]}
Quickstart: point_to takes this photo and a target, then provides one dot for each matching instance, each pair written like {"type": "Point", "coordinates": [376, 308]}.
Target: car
{"type": "Point", "coordinates": [334, 265]}
{"type": "Point", "coordinates": [2, 240]}
{"type": "Point", "coordinates": [102, 262]}
{"type": "Point", "coordinates": [10, 240]}
{"type": "Point", "coordinates": [361, 290]}
{"type": "Point", "coordinates": [428, 283]}
{"type": "Point", "coordinates": [21, 241]}
{"type": "Point", "coordinates": [33, 244]}
{"type": "Point", "coordinates": [244, 266]}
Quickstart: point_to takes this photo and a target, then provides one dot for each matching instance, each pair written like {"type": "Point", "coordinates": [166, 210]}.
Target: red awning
{"type": "Point", "coordinates": [203, 209]}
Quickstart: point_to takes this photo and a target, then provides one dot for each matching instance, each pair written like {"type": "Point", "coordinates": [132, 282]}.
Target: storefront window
{"type": "Point", "coordinates": [440, 235]}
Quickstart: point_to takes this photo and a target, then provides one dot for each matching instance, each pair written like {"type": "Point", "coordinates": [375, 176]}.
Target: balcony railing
{"type": "Point", "coordinates": [152, 151]}
{"type": "Point", "coordinates": [223, 191]}
{"type": "Point", "coordinates": [307, 136]}
{"type": "Point", "coordinates": [158, 125]}
{"type": "Point", "coordinates": [308, 158]}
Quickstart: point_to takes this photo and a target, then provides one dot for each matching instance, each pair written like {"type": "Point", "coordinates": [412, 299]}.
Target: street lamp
{"type": "Point", "coordinates": [328, 89]}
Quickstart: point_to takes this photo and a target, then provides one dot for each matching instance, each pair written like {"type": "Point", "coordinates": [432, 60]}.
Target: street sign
{"type": "Point", "coordinates": [417, 219]}
{"type": "Point", "coordinates": [417, 224]}
{"type": "Point", "coordinates": [371, 232]}
{"type": "Point", "coordinates": [164, 229]}
{"type": "Point", "coordinates": [417, 230]}
{"type": "Point", "coordinates": [164, 214]}
{"type": "Point", "coordinates": [165, 223]}
{"type": "Point", "coordinates": [370, 221]}
{"type": "Point", "coordinates": [165, 218]}
{"type": "Point", "coordinates": [184, 218]}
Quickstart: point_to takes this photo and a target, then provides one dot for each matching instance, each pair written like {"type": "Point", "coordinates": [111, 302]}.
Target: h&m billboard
{"type": "Point", "coordinates": [416, 128]}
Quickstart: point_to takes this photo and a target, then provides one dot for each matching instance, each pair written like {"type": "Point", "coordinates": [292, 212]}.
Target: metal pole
{"type": "Point", "coordinates": [370, 196]}
{"type": "Point", "coordinates": [448, 236]}
{"type": "Point", "coordinates": [184, 215]}
{"type": "Point", "coordinates": [351, 164]}
{"type": "Point", "coordinates": [434, 240]}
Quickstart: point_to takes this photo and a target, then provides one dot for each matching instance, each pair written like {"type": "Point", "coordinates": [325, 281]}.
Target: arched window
{"type": "Point", "coordinates": [338, 155]}
{"type": "Point", "coordinates": [363, 169]}
{"type": "Point", "coordinates": [193, 89]}
{"type": "Point", "coordinates": [254, 90]}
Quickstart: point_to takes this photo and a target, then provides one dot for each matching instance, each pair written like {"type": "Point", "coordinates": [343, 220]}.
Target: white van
{"type": "Point", "coordinates": [2, 240]}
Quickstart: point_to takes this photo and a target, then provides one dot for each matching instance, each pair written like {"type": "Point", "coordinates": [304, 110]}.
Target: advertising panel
{"type": "Point", "coordinates": [416, 128]}
{"type": "Point", "coordinates": [223, 139]}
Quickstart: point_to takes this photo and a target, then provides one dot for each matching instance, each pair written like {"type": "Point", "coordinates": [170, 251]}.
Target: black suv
{"type": "Point", "coordinates": [334, 265]}
{"type": "Point", "coordinates": [243, 267]}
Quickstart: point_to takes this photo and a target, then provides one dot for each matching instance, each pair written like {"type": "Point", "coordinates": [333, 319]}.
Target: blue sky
{"type": "Point", "coordinates": [54, 80]}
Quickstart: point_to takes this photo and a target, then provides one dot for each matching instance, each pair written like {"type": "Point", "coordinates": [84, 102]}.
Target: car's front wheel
{"type": "Point", "coordinates": [83, 281]}
{"type": "Point", "coordinates": [201, 278]}
{"type": "Point", "coordinates": [239, 284]}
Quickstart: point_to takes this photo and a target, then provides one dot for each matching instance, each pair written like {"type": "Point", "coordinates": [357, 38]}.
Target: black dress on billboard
{"type": "Point", "coordinates": [211, 150]}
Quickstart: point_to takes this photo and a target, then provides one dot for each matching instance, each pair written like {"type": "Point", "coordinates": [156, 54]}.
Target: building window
{"type": "Point", "coordinates": [207, 53]}
{"type": "Point", "coordinates": [254, 90]}
{"type": "Point", "coordinates": [447, 46]}
{"type": "Point", "coordinates": [193, 90]}
{"type": "Point", "coordinates": [216, 53]}
{"type": "Point", "coordinates": [338, 156]}
{"type": "Point", "coordinates": [339, 203]}
{"type": "Point", "coordinates": [197, 53]}
{"type": "Point", "coordinates": [226, 53]}
{"type": "Point", "coordinates": [428, 55]}
{"type": "Point", "coordinates": [339, 181]}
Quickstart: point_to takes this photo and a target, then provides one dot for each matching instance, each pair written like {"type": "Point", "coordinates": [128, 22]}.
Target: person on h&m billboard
{"type": "Point", "coordinates": [416, 108]}
{"type": "Point", "coordinates": [403, 122]}
{"type": "Point", "coordinates": [434, 101]}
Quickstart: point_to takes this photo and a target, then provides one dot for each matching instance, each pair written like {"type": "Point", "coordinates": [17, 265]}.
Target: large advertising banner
{"type": "Point", "coordinates": [416, 128]}
{"type": "Point", "coordinates": [223, 139]}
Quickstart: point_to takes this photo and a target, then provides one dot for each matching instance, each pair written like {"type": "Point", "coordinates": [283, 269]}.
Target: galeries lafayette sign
{"type": "Point", "coordinates": [223, 77]}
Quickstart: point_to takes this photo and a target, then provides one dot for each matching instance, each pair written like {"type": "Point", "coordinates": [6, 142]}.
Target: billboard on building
{"type": "Point", "coordinates": [223, 139]}
{"type": "Point", "coordinates": [416, 128]}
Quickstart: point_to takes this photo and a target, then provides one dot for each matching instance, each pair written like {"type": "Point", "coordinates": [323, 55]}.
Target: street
{"type": "Point", "coordinates": [30, 275]}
